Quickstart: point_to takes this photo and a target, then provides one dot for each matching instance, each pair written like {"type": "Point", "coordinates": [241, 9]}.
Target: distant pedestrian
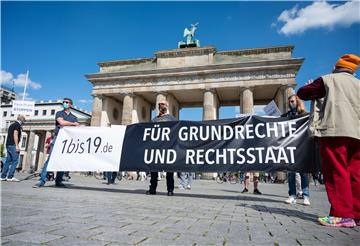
{"type": "Point", "coordinates": [297, 109]}
{"type": "Point", "coordinates": [162, 117]}
{"type": "Point", "coordinates": [336, 122]}
{"type": "Point", "coordinates": [62, 118]}
{"type": "Point", "coordinates": [13, 150]}
{"type": "Point", "coordinates": [255, 181]}
{"type": "Point", "coordinates": [111, 176]}
{"type": "Point", "coordinates": [186, 179]}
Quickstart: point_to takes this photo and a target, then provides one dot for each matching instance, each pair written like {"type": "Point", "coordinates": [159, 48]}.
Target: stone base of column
{"type": "Point", "coordinates": [281, 177]}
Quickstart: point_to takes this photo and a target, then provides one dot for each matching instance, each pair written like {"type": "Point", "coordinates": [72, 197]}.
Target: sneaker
{"type": "Point", "coordinates": [3, 179]}
{"type": "Point", "coordinates": [336, 221]}
{"type": "Point", "coordinates": [150, 192]}
{"type": "Point", "coordinates": [306, 201]}
{"type": "Point", "coordinates": [188, 187]}
{"type": "Point", "coordinates": [38, 185]}
{"type": "Point", "coordinates": [257, 192]}
{"type": "Point", "coordinates": [170, 193]}
{"type": "Point", "coordinates": [181, 187]}
{"type": "Point", "coordinates": [357, 222]}
{"type": "Point", "coordinates": [13, 180]}
{"type": "Point", "coordinates": [291, 200]}
{"type": "Point", "coordinates": [245, 190]}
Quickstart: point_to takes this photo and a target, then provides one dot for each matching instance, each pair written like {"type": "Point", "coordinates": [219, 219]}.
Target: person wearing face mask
{"type": "Point", "coordinates": [162, 116]}
{"type": "Point", "coordinates": [62, 118]}
{"type": "Point", "coordinates": [297, 109]}
{"type": "Point", "coordinates": [13, 150]}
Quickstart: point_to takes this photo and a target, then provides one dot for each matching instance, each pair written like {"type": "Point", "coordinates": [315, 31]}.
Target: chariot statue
{"type": "Point", "coordinates": [189, 35]}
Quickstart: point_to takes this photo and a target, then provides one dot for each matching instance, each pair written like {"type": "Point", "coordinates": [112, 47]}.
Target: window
{"type": "Point", "coordinates": [5, 114]}
{"type": "Point", "coordinates": [36, 112]}
{"type": "Point", "coordinates": [52, 111]}
{"type": "Point", "coordinates": [23, 142]}
{"type": "Point", "coordinates": [44, 112]}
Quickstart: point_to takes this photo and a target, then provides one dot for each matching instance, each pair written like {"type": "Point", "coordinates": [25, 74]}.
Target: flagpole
{"type": "Point", "coordinates": [27, 75]}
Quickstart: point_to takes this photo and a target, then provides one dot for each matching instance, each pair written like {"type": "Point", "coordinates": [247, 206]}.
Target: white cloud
{"type": "Point", "coordinates": [319, 15]}
{"type": "Point", "coordinates": [84, 101]}
{"type": "Point", "coordinates": [5, 77]}
{"type": "Point", "coordinates": [19, 81]}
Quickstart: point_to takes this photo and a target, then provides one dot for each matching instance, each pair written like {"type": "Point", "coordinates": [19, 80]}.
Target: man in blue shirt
{"type": "Point", "coordinates": [62, 118]}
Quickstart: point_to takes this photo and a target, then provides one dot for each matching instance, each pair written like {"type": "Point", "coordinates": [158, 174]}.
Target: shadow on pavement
{"type": "Point", "coordinates": [282, 211]}
{"type": "Point", "coordinates": [239, 197]}
{"type": "Point", "coordinates": [264, 194]}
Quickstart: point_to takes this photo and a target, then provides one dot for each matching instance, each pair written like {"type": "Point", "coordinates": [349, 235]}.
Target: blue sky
{"type": "Point", "coordinates": [60, 42]}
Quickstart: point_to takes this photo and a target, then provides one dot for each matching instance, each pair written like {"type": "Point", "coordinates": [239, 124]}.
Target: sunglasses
{"type": "Point", "coordinates": [292, 101]}
{"type": "Point", "coordinates": [67, 102]}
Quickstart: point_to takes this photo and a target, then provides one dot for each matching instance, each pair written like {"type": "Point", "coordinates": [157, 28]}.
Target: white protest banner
{"type": "Point", "coordinates": [23, 107]}
{"type": "Point", "coordinates": [271, 109]}
{"type": "Point", "coordinates": [87, 149]}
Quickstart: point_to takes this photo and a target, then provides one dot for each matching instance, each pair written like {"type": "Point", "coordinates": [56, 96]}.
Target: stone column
{"type": "Point", "coordinates": [128, 106]}
{"type": "Point", "coordinates": [159, 97]}
{"type": "Point", "coordinates": [279, 99]}
{"type": "Point", "coordinates": [174, 107]}
{"type": "Point", "coordinates": [29, 158]}
{"type": "Point", "coordinates": [288, 91]}
{"type": "Point", "coordinates": [246, 101]}
{"type": "Point", "coordinates": [44, 155]}
{"type": "Point", "coordinates": [210, 105]}
{"type": "Point", "coordinates": [210, 112]}
{"type": "Point", "coordinates": [96, 110]}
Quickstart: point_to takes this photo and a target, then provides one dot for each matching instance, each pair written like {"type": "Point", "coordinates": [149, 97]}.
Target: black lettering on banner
{"type": "Point", "coordinates": [89, 146]}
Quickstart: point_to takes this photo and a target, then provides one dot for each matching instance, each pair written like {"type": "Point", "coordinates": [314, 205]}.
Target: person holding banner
{"type": "Point", "coordinates": [162, 116]}
{"type": "Point", "coordinates": [13, 150]}
{"type": "Point", "coordinates": [335, 120]}
{"type": "Point", "coordinates": [297, 109]}
{"type": "Point", "coordinates": [62, 118]}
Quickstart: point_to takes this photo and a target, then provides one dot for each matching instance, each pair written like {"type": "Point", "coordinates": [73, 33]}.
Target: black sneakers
{"type": "Point", "coordinates": [170, 193]}
{"type": "Point", "coordinates": [150, 192]}
{"type": "Point", "coordinates": [245, 190]}
{"type": "Point", "coordinates": [257, 192]}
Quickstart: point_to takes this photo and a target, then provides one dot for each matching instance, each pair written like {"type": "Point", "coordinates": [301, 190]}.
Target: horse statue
{"type": "Point", "coordinates": [190, 41]}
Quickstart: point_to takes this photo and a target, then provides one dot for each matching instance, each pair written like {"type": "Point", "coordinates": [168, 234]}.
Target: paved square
{"type": "Point", "coordinates": [89, 212]}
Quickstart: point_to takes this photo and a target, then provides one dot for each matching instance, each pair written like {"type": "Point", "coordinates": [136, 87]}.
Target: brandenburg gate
{"type": "Point", "coordinates": [126, 91]}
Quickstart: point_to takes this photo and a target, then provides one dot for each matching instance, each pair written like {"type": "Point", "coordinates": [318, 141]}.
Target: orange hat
{"type": "Point", "coordinates": [349, 61]}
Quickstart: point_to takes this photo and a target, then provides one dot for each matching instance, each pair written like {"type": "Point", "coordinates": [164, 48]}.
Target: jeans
{"type": "Point", "coordinates": [43, 176]}
{"type": "Point", "coordinates": [12, 160]}
{"type": "Point", "coordinates": [111, 176]}
{"type": "Point", "coordinates": [304, 184]}
{"type": "Point", "coordinates": [183, 179]}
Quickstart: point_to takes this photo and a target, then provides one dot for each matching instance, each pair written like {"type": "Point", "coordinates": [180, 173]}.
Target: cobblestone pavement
{"type": "Point", "coordinates": [89, 212]}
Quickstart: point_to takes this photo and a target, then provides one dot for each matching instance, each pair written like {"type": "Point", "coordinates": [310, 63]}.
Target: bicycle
{"type": "Point", "coordinates": [231, 178]}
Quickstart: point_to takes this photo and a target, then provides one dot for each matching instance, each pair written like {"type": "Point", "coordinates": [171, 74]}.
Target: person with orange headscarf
{"type": "Point", "coordinates": [335, 120]}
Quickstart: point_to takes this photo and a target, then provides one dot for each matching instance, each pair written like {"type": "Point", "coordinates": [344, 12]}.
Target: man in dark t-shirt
{"type": "Point", "coordinates": [62, 118]}
{"type": "Point", "coordinates": [13, 150]}
{"type": "Point", "coordinates": [162, 116]}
